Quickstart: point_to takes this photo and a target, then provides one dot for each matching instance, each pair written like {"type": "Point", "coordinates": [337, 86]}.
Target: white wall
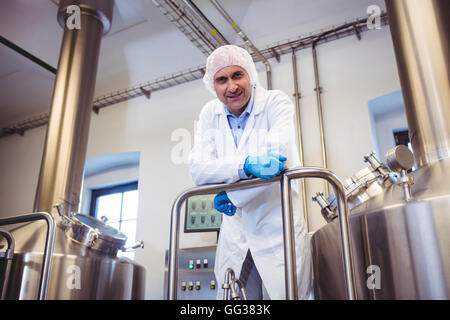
{"type": "Point", "coordinates": [352, 73]}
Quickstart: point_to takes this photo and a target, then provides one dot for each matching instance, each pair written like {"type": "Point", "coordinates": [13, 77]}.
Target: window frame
{"type": "Point", "coordinates": [96, 193]}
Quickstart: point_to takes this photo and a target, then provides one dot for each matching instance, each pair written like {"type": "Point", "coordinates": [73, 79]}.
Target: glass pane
{"type": "Point", "coordinates": [129, 229]}
{"type": "Point", "coordinates": [130, 205]}
{"type": "Point", "coordinates": [109, 206]}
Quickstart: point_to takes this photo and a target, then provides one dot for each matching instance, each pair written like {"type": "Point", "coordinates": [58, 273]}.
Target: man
{"type": "Point", "coordinates": [249, 132]}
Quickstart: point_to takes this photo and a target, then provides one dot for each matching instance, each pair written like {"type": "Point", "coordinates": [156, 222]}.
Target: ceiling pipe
{"type": "Point", "coordinates": [205, 23]}
{"type": "Point", "coordinates": [247, 41]}
{"type": "Point", "coordinates": [62, 166]}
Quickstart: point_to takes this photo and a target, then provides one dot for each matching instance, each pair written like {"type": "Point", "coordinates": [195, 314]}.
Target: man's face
{"type": "Point", "coordinates": [233, 88]}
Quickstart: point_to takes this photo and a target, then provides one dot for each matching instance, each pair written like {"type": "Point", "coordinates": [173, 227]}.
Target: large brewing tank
{"type": "Point", "coordinates": [400, 242]}
{"type": "Point", "coordinates": [84, 264]}
{"type": "Point", "coordinates": [80, 261]}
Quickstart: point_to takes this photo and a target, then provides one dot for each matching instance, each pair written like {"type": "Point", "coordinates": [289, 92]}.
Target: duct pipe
{"type": "Point", "coordinates": [420, 34]}
{"type": "Point", "coordinates": [204, 22]}
{"type": "Point", "coordinates": [246, 41]}
{"type": "Point", "coordinates": [64, 155]}
{"type": "Point", "coordinates": [297, 97]}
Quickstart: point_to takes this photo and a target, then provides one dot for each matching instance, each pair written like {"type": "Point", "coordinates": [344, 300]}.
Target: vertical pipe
{"type": "Point", "coordinates": [64, 155]}
{"type": "Point", "coordinates": [247, 41]}
{"type": "Point", "coordinates": [290, 264]}
{"type": "Point", "coordinates": [320, 114]}
{"type": "Point", "coordinates": [300, 137]}
{"type": "Point", "coordinates": [420, 34]}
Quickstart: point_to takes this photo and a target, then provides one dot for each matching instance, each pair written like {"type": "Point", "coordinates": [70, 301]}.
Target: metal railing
{"type": "Point", "coordinates": [288, 225]}
{"type": "Point", "coordinates": [49, 245]}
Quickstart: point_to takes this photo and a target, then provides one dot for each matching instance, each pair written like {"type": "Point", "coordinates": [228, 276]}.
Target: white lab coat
{"type": "Point", "coordinates": [257, 224]}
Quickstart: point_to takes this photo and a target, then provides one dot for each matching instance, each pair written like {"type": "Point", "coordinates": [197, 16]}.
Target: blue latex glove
{"type": "Point", "coordinates": [265, 167]}
{"type": "Point", "coordinates": [223, 204]}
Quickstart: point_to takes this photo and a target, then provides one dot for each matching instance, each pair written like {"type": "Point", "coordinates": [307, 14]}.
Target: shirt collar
{"type": "Point", "coordinates": [247, 110]}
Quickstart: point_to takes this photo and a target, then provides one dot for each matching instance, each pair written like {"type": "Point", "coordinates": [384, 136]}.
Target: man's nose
{"type": "Point", "coordinates": [232, 86]}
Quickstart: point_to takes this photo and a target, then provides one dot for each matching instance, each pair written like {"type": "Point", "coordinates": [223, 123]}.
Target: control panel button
{"type": "Point", "coordinates": [205, 263]}
{"type": "Point", "coordinates": [197, 285]}
{"type": "Point", "coordinates": [212, 285]}
{"type": "Point", "coordinates": [183, 285]}
{"type": "Point", "coordinates": [191, 285]}
{"type": "Point", "coordinates": [198, 264]}
{"type": "Point", "coordinates": [191, 264]}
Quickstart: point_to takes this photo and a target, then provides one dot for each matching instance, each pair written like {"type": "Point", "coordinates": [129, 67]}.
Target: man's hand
{"type": "Point", "coordinates": [223, 204]}
{"type": "Point", "coordinates": [265, 167]}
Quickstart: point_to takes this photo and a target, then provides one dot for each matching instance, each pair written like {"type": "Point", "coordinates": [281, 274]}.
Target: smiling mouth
{"type": "Point", "coordinates": [235, 96]}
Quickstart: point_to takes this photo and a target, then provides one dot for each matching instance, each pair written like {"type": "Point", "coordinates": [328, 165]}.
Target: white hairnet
{"type": "Point", "coordinates": [225, 56]}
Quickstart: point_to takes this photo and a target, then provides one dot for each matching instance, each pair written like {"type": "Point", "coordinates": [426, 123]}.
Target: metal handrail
{"type": "Point", "coordinates": [288, 225]}
{"type": "Point", "coordinates": [49, 245]}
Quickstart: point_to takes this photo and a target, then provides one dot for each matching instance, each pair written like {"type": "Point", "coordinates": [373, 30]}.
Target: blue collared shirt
{"type": "Point", "coordinates": [237, 126]}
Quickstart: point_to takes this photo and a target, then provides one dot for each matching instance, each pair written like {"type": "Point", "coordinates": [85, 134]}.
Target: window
{"type": "Point", "coordinates": [119, 205]}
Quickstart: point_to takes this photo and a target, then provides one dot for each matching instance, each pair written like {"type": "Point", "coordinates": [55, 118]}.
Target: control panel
{"type": "Point", "coordinates": [201, 215]}
{"type": "Point", "coordinates": [196, 280]}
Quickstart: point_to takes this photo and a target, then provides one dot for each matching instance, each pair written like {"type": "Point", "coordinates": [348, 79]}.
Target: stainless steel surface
{"type": "Point", "coordinates": [360, 187]}
{"type": "Point", "coordinates": [246, 40]}
{"type": "Point", "coordinates": [204, 274]}
{"type": "Point", "coordinates": [318, 90]}
{"type": "Point", "coordinates": [420, 34]}
{"type": "Point", "coordinates": [93, 233]}
{"type": "Point", "coordinates": [400, 158]}
{"type": "Point", "coordinates": [77, 272]}
{"type": "Point", "coordinates": [297, 97]}
{"type": "Point", "coordinates": [63, 161]}
{"type": "Point", "coordinates": [407, 241]}
{"type": "Point", "coordinates": [288, 229]}
{"type": "Point", "coordinates": [226, 286]}
{"type": "Point", "coordinates": [46, 260]}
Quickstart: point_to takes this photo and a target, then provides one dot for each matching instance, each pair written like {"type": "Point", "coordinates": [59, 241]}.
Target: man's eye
{"type": "Point", "coordinates": [237, 75]}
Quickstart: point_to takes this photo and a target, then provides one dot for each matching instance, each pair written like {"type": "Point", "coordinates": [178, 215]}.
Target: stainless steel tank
{"type": "Point", "coordinates": [83, 264]}
{"type": "Point", "coordinates": [399, 238]}
{"type": "Point", "coordinates": [56, 253]}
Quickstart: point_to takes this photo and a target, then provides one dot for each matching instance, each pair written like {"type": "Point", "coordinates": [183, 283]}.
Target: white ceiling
{"type": "Point", "coordinates": [143, 44]}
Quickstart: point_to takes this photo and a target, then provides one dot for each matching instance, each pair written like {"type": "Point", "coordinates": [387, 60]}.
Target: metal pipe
{"type": "Point", "coordinates": [204, 22]}
{"type": "Point", "coordinates": [64, 155]}
{"type": "Point", "coordinates": [49, 245]}
{"type": "Point", "coordinates": [246, 41]}
{"type": "Point", "coordinates": [289, 234]}
{"type": "Point", "coordinates": [27, 55]}
{"type": "Point", "coordinates": [420, 35]}
{"type": "Point", "coordinates": [176, 217]}
{"type": "Point", "coordinates": [318, 90]}
{"type": "Point", "coordinates": [297, 97]}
